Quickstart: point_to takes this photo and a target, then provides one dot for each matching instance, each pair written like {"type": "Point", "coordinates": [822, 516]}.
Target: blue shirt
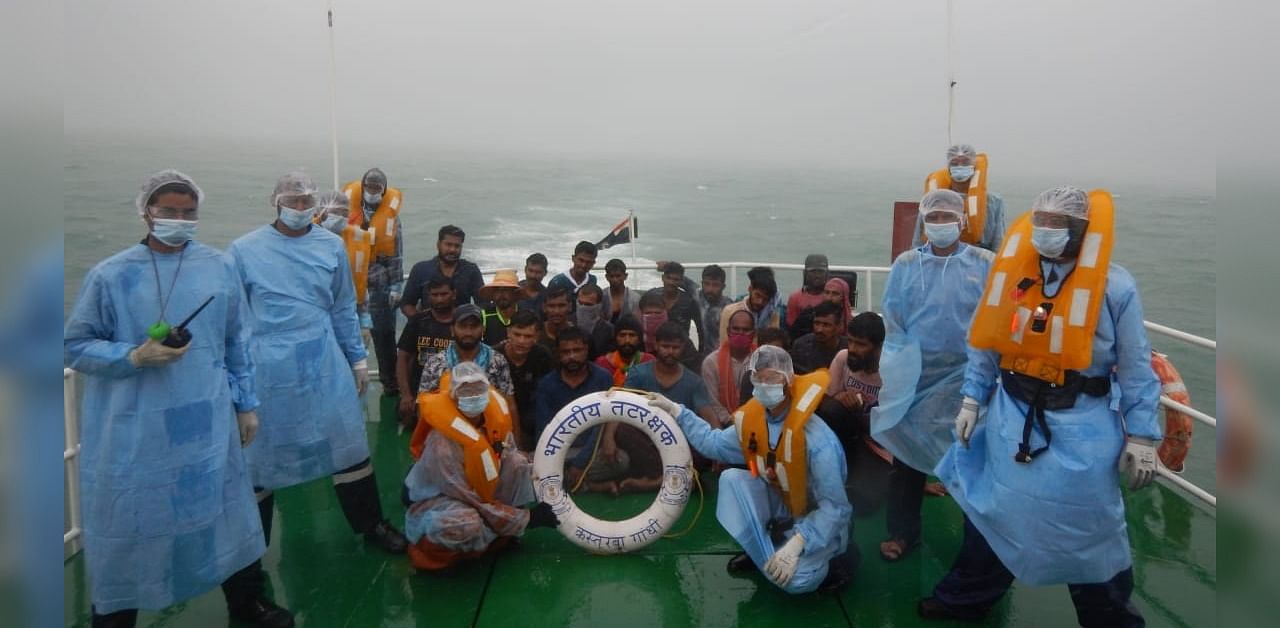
{"type": "Point", "coordinates": [688, 391]}
{"type": "Point", "coordinates": [554, 393]}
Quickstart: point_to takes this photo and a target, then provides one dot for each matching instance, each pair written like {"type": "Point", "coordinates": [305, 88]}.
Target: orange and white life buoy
{"type": "Point", "coordinates": [1177, 425]}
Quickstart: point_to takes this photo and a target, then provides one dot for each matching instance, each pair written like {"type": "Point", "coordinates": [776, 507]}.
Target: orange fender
{"type": "Point", "coordinates": [1177, 425]}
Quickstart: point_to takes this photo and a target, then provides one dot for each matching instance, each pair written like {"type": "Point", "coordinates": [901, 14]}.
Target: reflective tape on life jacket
{"type": "Point", "coordinates": [359, 243]}
{"type": "Point", "coordinates": [438, 411]}
{"type": "Point", "coordinates": [1036, 335]}
{"type": "Point", "coordinates": [1178, 427]}
{"type": "Point", "coordinates": [384, 220]}
{"type": "Point", "coordinates": [786, 465]}
{"type": "Point", "coordinates": [975, 201]}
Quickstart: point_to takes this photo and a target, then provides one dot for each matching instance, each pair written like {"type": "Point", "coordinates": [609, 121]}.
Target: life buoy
{"type": "Point", "coordinates": [613, 537]}
{"type": "Point", "coordinates": [1177, 425]}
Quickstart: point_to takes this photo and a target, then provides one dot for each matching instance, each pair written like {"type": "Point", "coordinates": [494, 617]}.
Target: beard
{"type": "Point", "coordinates": [572, 366]}
{"type": "Point", "coordinates": [627, 351]}
{"type": "Point", "coordinates": [467, 344]}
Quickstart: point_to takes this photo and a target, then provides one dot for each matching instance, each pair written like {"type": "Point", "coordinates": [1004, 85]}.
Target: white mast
{"type": "Point", "coordinates": [333, 99]}
{"type": "Point", "coordinates": [951, 79]}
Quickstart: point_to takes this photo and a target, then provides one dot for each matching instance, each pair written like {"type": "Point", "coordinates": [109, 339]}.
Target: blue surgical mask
{"type": "Point", "coordinates": [769, 395]}
{"type": "Point", "coordinates": [1049, 241]}
{"type": "Point", "coordinates": [943, 234]}
{"type": "Point", "coordinates": [372, 199]}
{"type": "Point", "coordinates": [173, 232]}
{"type": "Point", "coordinates": [961, 173]}
{"type": "Point", "coordinates": [335, 223]}
{"type": "Point", "coordinates": [473, 406]}
{"type": "Point", "coordinates": [296, 219]}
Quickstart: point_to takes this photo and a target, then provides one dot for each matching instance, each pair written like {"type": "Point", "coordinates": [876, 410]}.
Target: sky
{"type": "Point", "coordinates": [1080, 89]}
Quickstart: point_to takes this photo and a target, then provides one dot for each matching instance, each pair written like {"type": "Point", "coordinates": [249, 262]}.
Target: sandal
{"type": "Point", "coordinates": [893, 550]}
{"type": "Point", "coordinates": [935, 489]}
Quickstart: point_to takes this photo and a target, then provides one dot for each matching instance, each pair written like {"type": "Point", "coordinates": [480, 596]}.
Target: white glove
{"type": "Point", "coordinates": [662, 403]}
{"type": "Point", "coordinates": [151, 354]}
{"type": "Point", "coordinates": [1138, 461]}
{"type": "Point", "coordinates": [360, 370]}
{"type": "Point", "coordinates": [782, 565]}
{"type": "Point", "coordinates": [966, 420]}
{"type": "Point", "coordinates": [248, 424]}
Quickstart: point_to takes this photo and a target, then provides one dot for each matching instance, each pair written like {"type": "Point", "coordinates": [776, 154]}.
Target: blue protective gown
{"type": "Point", "coordinates": [305, 338]}
{"type": "Point", "coordinates": [1060, 518]}
{"type": "Point", "coordinates": [168, 508]}
{"type": "Point", "coordinates": [928, 303]}
{"type": "Point", "coordinates": [747, 504]}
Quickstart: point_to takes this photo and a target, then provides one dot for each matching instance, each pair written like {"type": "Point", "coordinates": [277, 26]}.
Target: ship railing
{"type": "Point", "coordinates": [867, 276]}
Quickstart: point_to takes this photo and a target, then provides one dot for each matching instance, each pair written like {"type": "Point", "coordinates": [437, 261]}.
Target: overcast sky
{"type": "Point", "coordinates": [1084, 88]}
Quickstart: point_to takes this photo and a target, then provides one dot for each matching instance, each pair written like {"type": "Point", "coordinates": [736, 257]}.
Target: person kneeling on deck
{"type": "Point", "coordinates": [789, 511]}
{"type": "Point", "coordinates": [465, 488]}
{"type": "Point", "coordinates": [1062, 328]}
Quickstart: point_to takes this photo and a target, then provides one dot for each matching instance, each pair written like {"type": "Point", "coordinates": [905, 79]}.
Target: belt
{"type": "Point", "coordinates": [1040, 395]}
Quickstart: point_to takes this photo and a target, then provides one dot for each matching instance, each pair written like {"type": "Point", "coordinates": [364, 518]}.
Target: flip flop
{"type": "Point", "coordinates": [935, 489]}
{"type": "Point", "coordinates": [899, 546]}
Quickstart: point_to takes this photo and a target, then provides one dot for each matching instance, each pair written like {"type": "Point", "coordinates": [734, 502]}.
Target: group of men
{"type": "Point", "coordinates": [1003, 363]}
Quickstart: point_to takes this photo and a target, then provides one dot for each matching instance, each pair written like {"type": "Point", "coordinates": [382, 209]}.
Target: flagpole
{"type": "Point", "coordinates": [631, 226]}
{"type": "Point", "coordinates": [333, 99]}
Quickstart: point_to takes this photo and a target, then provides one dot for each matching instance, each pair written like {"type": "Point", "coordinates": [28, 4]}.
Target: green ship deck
{"type": "Point", "coordinates": [329, 577]}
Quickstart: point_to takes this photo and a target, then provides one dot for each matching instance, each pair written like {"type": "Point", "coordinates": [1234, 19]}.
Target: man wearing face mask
{"type": "Point", "coordinates": [590, 318]}
{"type": "Point", "coordinates": [1075, 408]}
{"type": "Point", "coordinates": [166, 495]}
{"type": "Point", "coordinates": [788, 510]}
{"type": "Point", "coordinates": [928, 301]}
{"type": "Point", "coordinates": [375, 207]}
{"type": "Point", "coordinates": [724, 368]}
{"type": "Point", "coordinates": [966, 174]}
{"type": "Point", "coordinates": [308, 356]}
{"type": "Point", "coordinates": [331, 213]}
{"type": "Point", "coordinates": [467, 487]}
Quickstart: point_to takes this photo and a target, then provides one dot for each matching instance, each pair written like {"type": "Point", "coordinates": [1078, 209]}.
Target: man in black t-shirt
{"type": "Point", "coordinates": [528, 362]}
{"type": "Point", "coordinates": [429, 331]}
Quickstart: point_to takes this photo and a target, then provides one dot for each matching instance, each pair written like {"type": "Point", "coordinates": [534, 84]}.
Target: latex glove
{"type": "Point", "coordinates": [662, 403]}
{"type": "Point", "coordinates": [360, 370]}
{"type": "Point", "coordinates": [541, 516]}
{"type": "Point", "coordinates": [781, 567]}
{"type": "Point", "coordinates": [1138, 461]}
{"type": "Point", "coordinates": [966, 420]}
{"type": "Point", "coordinates": [152, 354]}
{"type": "Point", "coordinates": [366, 321]}
{"type": "Point", "coordinates": [248, 424]}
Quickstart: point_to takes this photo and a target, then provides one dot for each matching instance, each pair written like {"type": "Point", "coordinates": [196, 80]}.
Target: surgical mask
{"type": "Point", "coordinates": [335, 223]}
{"type": "Point", "coordinates": [173, 232]}
{"type": "Point", "coordinates": [961, 174]}
{"type": "Point", "coordinates": [296, 219]}
{"type": "Point", "coordinates": [474, 405]}
{"type": "Point", "coordinates": [769, 395]}
{"type": "Point", "coordinates": [372, 199]}
{"type": "Point", "coordinates": [942, 234]}
{"type": "Point", "coordinates": [588, 315]}
{"type": "Point", "coordinates": [740, 341]}
{"type": "Point", "coordinates": [1049, 241]}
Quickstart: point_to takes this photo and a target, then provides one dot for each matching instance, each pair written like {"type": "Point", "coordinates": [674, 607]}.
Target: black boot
{"type": "Point", "coordinates": [120, 619]}
{"type": "Point", "coordinates": [266, 511]}
{"type": "Point", "coordinates": [387, 537]}
{"type": "Point", "coordinates": [260, 611]}
{"type": "Point", "coordinates": [840, 571]}
{"type": "Point", "coordinates": [741, 563]}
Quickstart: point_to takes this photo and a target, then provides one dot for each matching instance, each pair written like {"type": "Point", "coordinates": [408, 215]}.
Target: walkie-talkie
{"type": "Point", "coordinates": [177, 336]}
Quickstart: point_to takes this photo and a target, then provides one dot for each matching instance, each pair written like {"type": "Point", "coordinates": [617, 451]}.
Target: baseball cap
{"type": "Point", "coordinates": [815, 260]}
{"type": "Point", "coordinates": [468, 310]}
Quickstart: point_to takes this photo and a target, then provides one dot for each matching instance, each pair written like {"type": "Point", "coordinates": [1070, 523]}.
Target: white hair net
{"type": "Point", "coordinates": [465, 373]}
{"type": "Point", "coordinates": [962, 150]}
{"type": "Point", "coordinates": [161, 179]}
{"type": "Point", "coordinates": [293, 184]}
{"type": "Point", "coordinates": [942, 201]}
{"type": "Point", "coordinates": [333, 199]}
{"type": "Point", "coordinates": [771, 357]}
{"type": "Point", "coordinates": [1066, 200]}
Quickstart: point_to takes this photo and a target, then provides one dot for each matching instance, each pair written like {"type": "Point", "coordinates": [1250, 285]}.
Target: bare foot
{"type": "Point", "coordinates": [602, 487]}
{"type": "Point", "coordinates": [639, 485]}
{"type": "Point", "coordinates": [935, 489]}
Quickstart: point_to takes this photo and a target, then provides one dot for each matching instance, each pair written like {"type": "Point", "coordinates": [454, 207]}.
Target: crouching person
{"type": "Point", "coordinates": [466, 488]}
{"type": "Point", "coordinates": [789, 512]}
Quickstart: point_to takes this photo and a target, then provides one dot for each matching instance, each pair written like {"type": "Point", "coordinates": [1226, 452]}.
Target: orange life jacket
{"type": "Point", "coordinates": [1011, 306]}
{"type": "Point", "coordinates": [359, 244]}
{"type": "Point", "coordinates": [385, 218]}
{"type": "Point", "coordinates": [438, 411]}
{"type": "Point", "coordinates": [788, 471]}
{"type": "Point", "coordinates": [975, 199]}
